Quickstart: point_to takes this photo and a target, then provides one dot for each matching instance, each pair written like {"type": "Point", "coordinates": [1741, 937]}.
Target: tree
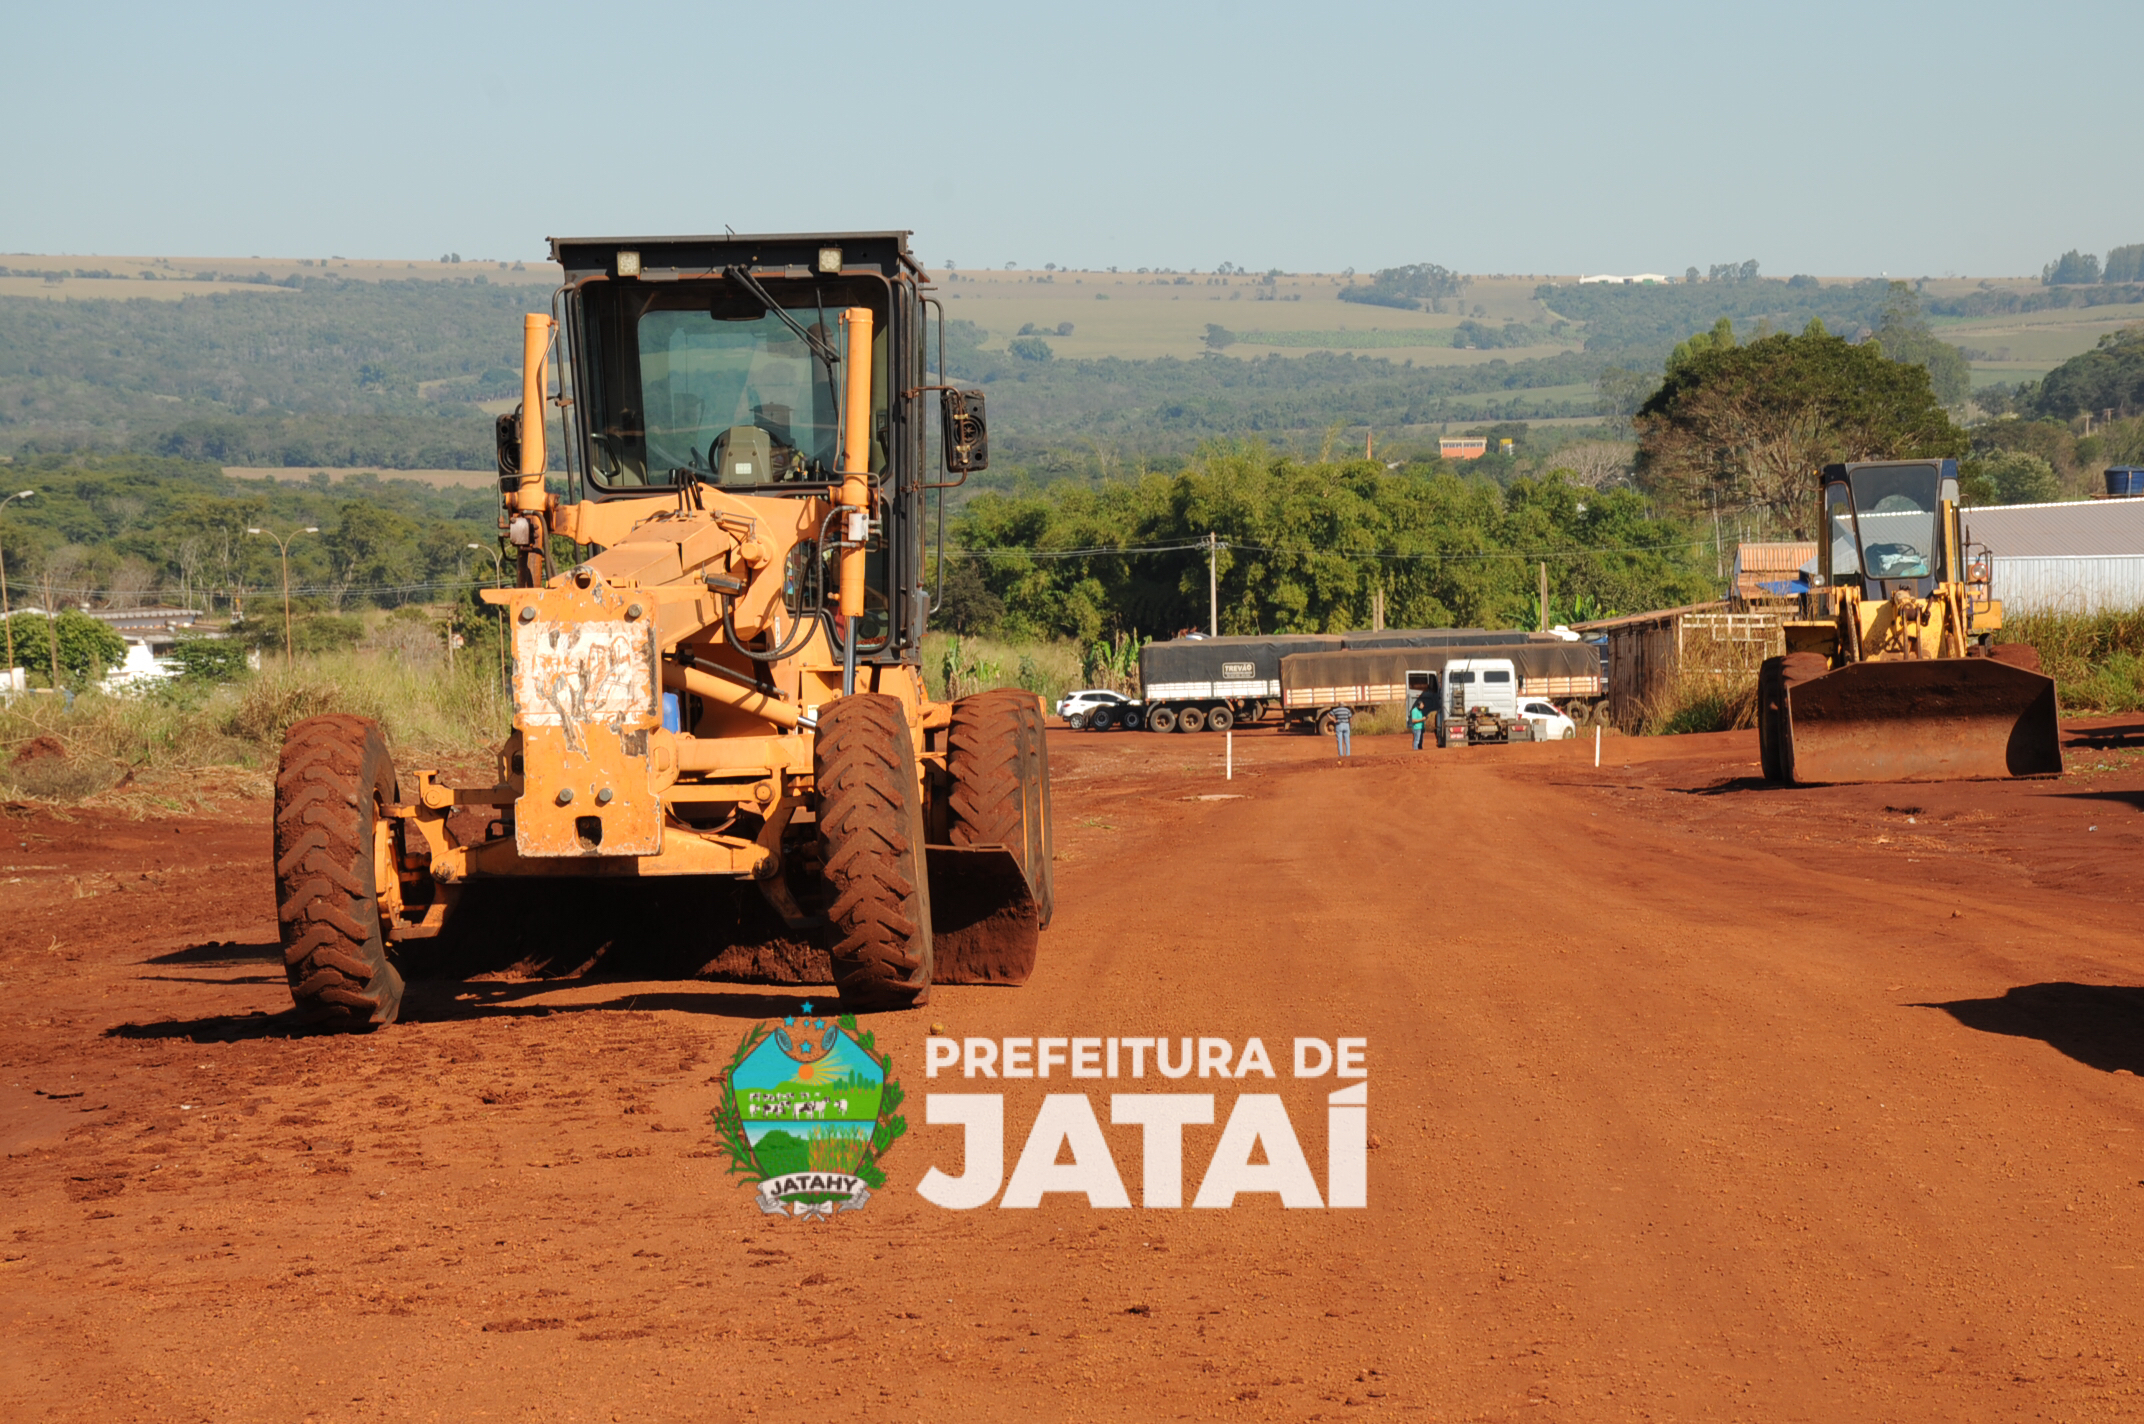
{"type": "Point", "coordinates": [2126, 264]}
{"type": "Point", "coordinates": [2108, 377]}
{"type": "Point", "coordinates": [2009, 477]}
{"type": "Point", "coordinates": [1407, 287]}
{"type": "Point", "coordinates": [81, 647]}
{"type": "Point", "coordinates": [1030, 348]}
{"type": "Point", "coordinates": [1904, 335]}
{"type": "Point", "coordinates": [2072, 268]}
{"type": "Point", "coordinates": [970, 606]}
{"type": "Point", "coordinates": [1752, 425]}
{"type": "Point", "coordinates": [1720, 338]}
{"type": "Point", "coordinates": [1218, 337]}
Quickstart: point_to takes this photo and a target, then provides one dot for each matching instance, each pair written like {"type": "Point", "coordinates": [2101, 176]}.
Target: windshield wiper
{"type": "Point", "coordinates": [815, 338]}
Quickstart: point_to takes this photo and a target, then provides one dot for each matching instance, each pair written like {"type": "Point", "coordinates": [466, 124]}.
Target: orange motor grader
{"type": "Point", "coordinates": [716, 634]}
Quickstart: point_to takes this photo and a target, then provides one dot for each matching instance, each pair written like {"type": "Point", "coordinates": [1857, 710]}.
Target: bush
{"type": "Point", "coordinates": [209, 659]}
{"type": "Point", "coordinates": [87, 646]}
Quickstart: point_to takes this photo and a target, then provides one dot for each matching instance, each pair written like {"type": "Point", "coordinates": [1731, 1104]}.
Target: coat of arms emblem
{"type": "Point", "coordinates": [808, 1107]}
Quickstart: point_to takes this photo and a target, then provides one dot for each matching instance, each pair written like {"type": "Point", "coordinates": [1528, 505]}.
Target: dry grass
{"type": "Point", "coordinates": [1715, 688]}
{"type": "Point", "coordinates": [189, 746]}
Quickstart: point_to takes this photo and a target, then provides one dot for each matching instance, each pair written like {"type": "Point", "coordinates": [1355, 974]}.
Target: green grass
{"type": "Point", "coordinates": [1050, 667]}
{"type": "Point", "coordinates": [2094, 658]}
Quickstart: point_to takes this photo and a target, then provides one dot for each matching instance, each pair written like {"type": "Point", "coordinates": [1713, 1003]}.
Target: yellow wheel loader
{"type": "Point", "coordinates": [1893, 674]}
{"type": "Point", "coordinates": [716, 635]}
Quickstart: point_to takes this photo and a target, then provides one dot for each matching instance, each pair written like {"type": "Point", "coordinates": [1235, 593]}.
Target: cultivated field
{"type": "Point", "coordinates": [1689, 1099]}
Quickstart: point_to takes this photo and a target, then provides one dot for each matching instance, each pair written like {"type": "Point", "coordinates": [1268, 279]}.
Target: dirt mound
{"type": "Point", "coordinates": [40, 749]}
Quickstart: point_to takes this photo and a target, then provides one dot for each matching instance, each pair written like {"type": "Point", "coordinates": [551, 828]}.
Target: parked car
{"type": "Point", "coordinates": [1079, 709]}
{"type": "Point", "coordinates": [1549, 724]}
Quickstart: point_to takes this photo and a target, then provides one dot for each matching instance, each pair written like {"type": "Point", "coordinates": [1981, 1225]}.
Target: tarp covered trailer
{"type": "Point", "coordinates": [1312, 684]}
{"type": "Point", "coordinates": [1191, 684]}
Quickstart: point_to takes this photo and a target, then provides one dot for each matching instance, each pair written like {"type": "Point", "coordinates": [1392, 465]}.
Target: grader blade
{"type": "Point", "coordinates": [985, 920]}
{"type": "Point", "coordinates": [1954, 719]}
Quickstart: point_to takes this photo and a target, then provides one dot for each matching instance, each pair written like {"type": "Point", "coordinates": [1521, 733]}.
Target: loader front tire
{"type": "Point", "coordinates": [999, 762]}
{"type": "Point", "coordinates": [871, 841]}
{"type": "Point", "coordinates": [1775, 730]}
{"type": "Point", "coordinates": [332, 786]}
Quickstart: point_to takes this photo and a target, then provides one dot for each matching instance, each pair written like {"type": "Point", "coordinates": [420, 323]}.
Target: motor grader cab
{"type": "Point", "coordinates": [716, 630]}
{"type": "Point", "coordinates": [1893, 673]}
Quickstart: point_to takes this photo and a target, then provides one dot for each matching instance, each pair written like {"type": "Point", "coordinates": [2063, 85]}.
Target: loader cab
{"type": "Point", "coordinates": [719, 361]}
{"type": "Point", "coordinates": [1890, 526]}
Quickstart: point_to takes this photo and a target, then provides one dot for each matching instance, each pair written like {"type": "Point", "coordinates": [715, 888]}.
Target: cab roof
{"type": "Point", "coordinates": [586, 256]}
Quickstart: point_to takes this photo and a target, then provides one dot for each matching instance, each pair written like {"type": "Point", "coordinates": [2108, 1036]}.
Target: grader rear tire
{"type": "Point", "coordinates": [871, 840]}
{"type": "Point", "coordinates": [333, 782]}
{"type": "Point", "coordinates": [999, 761]}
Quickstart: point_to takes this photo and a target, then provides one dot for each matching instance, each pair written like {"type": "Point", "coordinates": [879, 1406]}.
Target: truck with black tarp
{"type": "Point", "coordinates": [1211, 684]}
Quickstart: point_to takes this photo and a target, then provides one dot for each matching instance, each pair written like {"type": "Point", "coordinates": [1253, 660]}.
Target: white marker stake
{"type": "Point", "coordinates": [1231, 754]}
{"type": "Point", "coordinates": [1596, 744]}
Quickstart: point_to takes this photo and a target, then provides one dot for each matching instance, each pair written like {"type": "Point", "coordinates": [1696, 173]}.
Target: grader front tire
{"type": "Point", "coordinates": [333, 783]}
{"type": "Point", "coordinates": [999, 762]}
{"type": "Point", "coordinates": [871, 840]}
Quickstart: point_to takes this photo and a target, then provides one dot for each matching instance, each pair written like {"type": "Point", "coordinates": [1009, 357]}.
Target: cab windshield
{"type": "Point", "coordinates": [1895, 507]}
{"type": "Point", "coordinates": [701, 381]}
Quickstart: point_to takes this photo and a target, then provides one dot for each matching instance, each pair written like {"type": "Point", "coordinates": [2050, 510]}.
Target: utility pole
{"type": "Point", "coordinates": [282, 544]}
{"type": "Point", "coordinates": [1377, 609]}
{"type": "Point", "coordinates": [1213, 586]}
{"type": "Point", "coordinates": [1544, 598]}
{"type": "Point", "coordinates": [5, 616]}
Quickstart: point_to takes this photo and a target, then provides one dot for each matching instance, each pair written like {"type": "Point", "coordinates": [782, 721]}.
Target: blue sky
{"type": "Point", "coordinates": [1546, 137]}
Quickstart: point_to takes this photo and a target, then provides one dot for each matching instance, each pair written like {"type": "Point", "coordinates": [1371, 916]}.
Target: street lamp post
{"type": "Point", "coordinates": [6, 616]}
{"type": "Point", "coordinates": [498, 577]}
{"type": "Point", "coordinates": [282, 545]}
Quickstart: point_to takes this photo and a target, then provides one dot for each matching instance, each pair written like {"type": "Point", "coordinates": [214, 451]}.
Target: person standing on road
{"type": "Point", "coordinates": [1418, 717]}
{"type": "Point", "coordinates": [1343, 715]}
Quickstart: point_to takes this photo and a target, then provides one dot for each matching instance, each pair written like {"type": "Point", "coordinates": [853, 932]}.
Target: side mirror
{"type": "Point", "coordinates": [966, 436]}
{"type": "Point", "coordinates": [508, 435]}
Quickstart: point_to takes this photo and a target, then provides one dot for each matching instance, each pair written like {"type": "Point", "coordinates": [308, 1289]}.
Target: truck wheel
{"type": "Point", "coordinates": [1132, 720]}
{"type": "Point", "coordinates": [871, 842]}
{"type": "Point", "coordinates": [999, 761]}
{"type": "Point", "coordinates": [1161, 719]}
{"type": "Point", "coordinates": [1328, 721]}
{"type": "Point", "coordinates": [1219, 719]}
{"type": "Point", "coordinates": [1191, 719]}
{"type": "Point", "coordinates": [1101, 719]}
{"type": "Point", "coordinates": [331, 786]}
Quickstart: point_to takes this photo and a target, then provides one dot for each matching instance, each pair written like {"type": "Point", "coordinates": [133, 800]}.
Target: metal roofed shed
{"type": "Point", "coordinates": [1645, 650]}
{"type": "Point", "coordinates": [1758, 564]}
{"type": "Point", "coordinates": [2081, 556]}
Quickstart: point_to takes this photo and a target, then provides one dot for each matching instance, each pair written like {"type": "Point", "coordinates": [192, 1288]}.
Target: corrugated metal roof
{"type": "Point", "coordinates": [2085, 526]}
{"type": "Point", "coordinates": [1773, 558]}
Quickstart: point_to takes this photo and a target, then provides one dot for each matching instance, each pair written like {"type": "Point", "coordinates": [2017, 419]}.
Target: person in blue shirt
{"type": "Point", "coordinates": [1343, 716]}
{"type": "Point", "coordinates": [1418, 715]}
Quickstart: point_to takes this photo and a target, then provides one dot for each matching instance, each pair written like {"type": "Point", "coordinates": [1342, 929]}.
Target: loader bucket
{"type": "Point", "coordinates": [985, 920]}
{"type": "Point", "coordinates": [1954, 719]}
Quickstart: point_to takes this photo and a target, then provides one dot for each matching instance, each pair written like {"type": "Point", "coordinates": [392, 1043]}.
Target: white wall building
{"type": "Point", "coordinates": [2082, 556]}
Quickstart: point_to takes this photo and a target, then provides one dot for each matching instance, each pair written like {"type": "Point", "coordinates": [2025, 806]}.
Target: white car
{"type": "Point", "coordinates": [1549, 724]}
{"type": "Point", "coordinates": [1080, 704]}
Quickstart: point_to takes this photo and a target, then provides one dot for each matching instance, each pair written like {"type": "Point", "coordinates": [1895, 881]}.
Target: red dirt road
{"type": "Point", "coordinates": [1692, 1100]}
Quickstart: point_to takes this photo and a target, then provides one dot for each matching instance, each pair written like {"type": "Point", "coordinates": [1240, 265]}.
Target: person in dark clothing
{"type": "Point", "coordinates": [1343, 717]}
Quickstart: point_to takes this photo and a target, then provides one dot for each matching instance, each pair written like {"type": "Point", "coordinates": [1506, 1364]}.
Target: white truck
{"type": "Point", "coordinates": [1481, 704]}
